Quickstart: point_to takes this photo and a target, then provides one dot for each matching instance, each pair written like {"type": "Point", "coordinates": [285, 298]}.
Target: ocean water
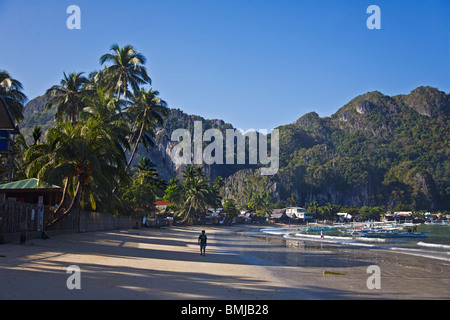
{"type": "Point", "coordinates": [436, 245]}
{"type": "Point", "coordinates": [437, 235]}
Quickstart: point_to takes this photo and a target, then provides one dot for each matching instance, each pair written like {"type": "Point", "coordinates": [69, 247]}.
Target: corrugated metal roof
{"type": "Point", "coordinates": [27, 184]}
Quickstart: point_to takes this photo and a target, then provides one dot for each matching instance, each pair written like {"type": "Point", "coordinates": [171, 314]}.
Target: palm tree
{"type": "Point", "coordinates": [146, 173]}
{"type": "Point", "coordinates": [292, 200]}
{"type": "Point", "coordinates": [147, 110]}
{"type": "Point", "coordinates": [192, 172]}
{"type": "Point", "coordinates": [19, 147]}
{"type": "Point", "coordinates": [313, 207]}
{"type": "Point", "coordinates": [104, 107]}
{"type": "Point", "coordinates": [83, 157]}
{"type": "Point", "coordinates": [330, 210]}
{"type": "Point", "coordinates": [219, 184]}
{"type": "Point", "coordinates": [11, 92]}
{"type": "Point", "coordinates": [196, 196]}
{"type": "Point", "coordinates": [37, 133]}
{"type": "Point", "coordinates": [68, 97]}
{"type": "Point", "coordinates": [126, 69]}
{"type": "Point", "coordinates": [145, 164]}
{"type": "Point", "coordinates": [263, 203]}
{"type": "Point", "coordinates": [173, 181]}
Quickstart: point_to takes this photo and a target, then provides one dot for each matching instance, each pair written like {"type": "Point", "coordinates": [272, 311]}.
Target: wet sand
{"type": "Point", "coordinates": [166, 264]}
{"type": "Point", "coordinates": [302, 265]}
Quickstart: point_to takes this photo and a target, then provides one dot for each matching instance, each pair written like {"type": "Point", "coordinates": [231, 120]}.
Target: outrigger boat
{"type": "Point", "coordinates": [438, 223]}
{"type": "Point", "coordinates": [383, 232]}
{"type": "Point", "coordinates": [393, 234]}
{"type": "Point", "coordinates": [318, 229]}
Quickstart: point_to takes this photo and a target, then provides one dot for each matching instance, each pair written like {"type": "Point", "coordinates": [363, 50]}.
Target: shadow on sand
{"type": "Point", "coordinates": [45, 278]}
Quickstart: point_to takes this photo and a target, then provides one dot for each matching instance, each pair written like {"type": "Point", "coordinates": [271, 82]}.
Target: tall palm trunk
{"type": "Point", "coordinates": [61, 203]}
{"type": "Point", "coordinates": [74, 200]}
{"type": "Point", "coordinates": [118, 91]}
{"type": "Point", "coordinates": [187, 215]}
{"type": "Point", "coordinates": [135, 146]}
{"type": "Point", "coordinates": [132, 154]}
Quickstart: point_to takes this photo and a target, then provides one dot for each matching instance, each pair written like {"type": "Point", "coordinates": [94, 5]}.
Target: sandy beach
{"type": "Point", "coordinates": [165, 264]}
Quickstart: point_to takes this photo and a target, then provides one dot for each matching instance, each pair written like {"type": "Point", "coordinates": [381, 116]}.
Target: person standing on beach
{"type": "Point", "coordinates": [202, 238]}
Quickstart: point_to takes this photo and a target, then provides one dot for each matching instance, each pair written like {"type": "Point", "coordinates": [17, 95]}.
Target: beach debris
{"type": "Point", "coordinates": [326, 272]}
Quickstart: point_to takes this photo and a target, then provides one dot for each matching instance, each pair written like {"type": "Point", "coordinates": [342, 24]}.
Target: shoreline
{"type": "Point", "coordinates": [422, 248]}
{"type": "Point", "coordinates": [404, 275]}
{"type": "Point", "coordinates": [165, 264]}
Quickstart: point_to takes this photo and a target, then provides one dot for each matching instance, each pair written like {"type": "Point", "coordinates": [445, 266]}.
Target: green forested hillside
{"type": "Point", "coordinates": [375, 150]}
{"type": "Point", "coordinates": [36, 115]}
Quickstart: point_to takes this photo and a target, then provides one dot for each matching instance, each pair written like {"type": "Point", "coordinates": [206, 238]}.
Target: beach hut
{"type": "Point", "coordinates": [159, 216]}
{"type": "Point", "coordinates": [28, 191]}
{"type": "Point", "coordinates": [403, 216]}
{"type": "Point", "coordinates": [278, 215]}
{"type": "Point", "coordinates": [243, 219]}
{"type": "Point", "coordinates": [160, 207]}
{"type": "Point", "coordinates": [214, 215]}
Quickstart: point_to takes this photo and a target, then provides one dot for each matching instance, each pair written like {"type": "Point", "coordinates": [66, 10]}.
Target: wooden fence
{"type": "Point", "coordinates": [16, 217]}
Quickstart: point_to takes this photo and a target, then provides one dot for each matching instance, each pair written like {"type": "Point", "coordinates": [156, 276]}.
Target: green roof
{"type": "Point", "coordinates": [27, 184]}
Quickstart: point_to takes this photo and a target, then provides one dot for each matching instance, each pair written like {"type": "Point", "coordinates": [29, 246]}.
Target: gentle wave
{"type": "Point", "coordinates": [433, 245]}
{"type": "Point", "coordinates": [422, 253]}
{"type": "Point", "coordinates": [328, 239]}
{"type": "Point", "coordinates": [301, 235]}
{"type": "Point", "coordinates": [364, 242]}
{"type": "Point", "coordinates": [278, 232]}
{"type": "Point", "coordinates": [293, 235]}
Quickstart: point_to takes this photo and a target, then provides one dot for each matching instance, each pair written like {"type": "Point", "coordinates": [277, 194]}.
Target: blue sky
{"type": "Point", "coordinates": [254, 63]}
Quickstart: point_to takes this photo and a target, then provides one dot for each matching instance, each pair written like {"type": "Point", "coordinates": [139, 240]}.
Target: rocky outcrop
{"type": "Point", "coordinates": [241, 185]}
{"type": "Point", "coordinates": [355, 157]}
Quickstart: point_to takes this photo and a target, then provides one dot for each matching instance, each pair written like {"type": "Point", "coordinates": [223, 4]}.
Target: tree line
{"type": "Point", "coordinates": [102, 118]}
{"type": "Point", "coordinates": [100, 121]}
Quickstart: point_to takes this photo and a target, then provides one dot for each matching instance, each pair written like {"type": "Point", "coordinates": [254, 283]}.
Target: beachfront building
{"type": "Point", "coordinates": [7, 128]}
{"type": "Point", "coordinates": [214, 215]}
{"type": "Point", "coordinates": [344, 217]}
{"type": "Point", "coordinates": [278, 215]}
{"type": "Point", "coordinates": [299, 213]}
{"type": "Point", "coordinates": [159, 216]}
{"type": "Point", "coordinates": [29, 191]}
{"type": "Point", "coordinates": [250, 217]}
{"type": "Point", "coordinates": [400, 216]}
{"type": "Point", "coordinates": [290, 215]}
